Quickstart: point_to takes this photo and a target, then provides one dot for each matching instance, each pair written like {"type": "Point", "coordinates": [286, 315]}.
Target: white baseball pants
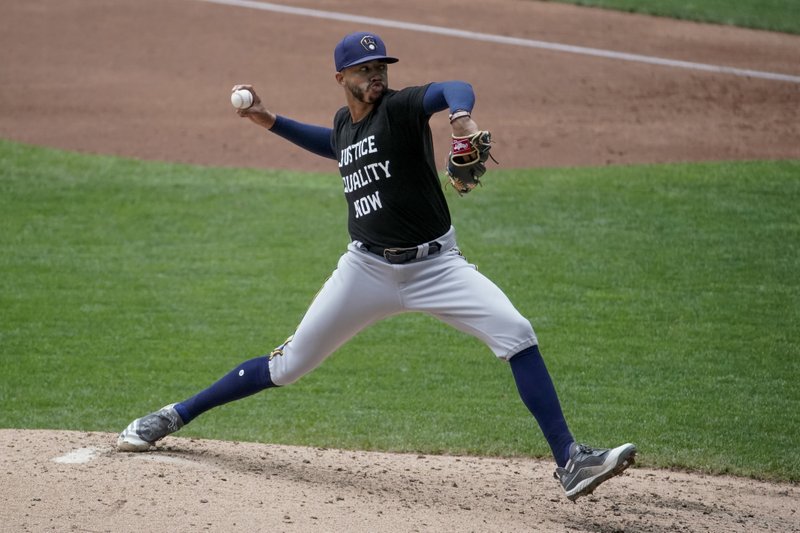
{"type": "Point", "coordinates": [366, 288]}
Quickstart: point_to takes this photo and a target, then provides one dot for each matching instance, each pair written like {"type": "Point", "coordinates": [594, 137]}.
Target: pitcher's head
{"type": "Point", "coordinates": [360, 47]}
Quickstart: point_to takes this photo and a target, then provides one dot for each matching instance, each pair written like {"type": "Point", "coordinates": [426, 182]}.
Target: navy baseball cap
{"type": "Point", "coordinates": [360, 47]}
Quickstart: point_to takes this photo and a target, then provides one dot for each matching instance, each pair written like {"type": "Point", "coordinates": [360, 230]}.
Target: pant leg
{"type": "Point", "coordinates": [451, 289]}
{"type": "Point", "coordinates": [456, 293]}
{"type": "Point", "coordinates": [357, 294]}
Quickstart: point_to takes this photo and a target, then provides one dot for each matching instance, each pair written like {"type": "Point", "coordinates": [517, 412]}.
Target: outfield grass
{"type": "Point", "coordinates": [771, 15]}
{"type": "Point", "coordinates": [666, 300]}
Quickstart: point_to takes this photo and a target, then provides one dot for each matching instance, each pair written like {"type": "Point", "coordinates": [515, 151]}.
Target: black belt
{"type": "Point", "coordinates": [398, 256]}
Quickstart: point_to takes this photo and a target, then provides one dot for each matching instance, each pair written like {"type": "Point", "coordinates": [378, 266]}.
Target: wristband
{"type": "Point", "coordinates": [458, 114]}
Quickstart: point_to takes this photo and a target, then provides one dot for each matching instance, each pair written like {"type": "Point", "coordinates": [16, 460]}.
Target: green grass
{"type": "Point", "coordinates": [771, 15]}
{"type": "Point", "coordinates": [666, 299]}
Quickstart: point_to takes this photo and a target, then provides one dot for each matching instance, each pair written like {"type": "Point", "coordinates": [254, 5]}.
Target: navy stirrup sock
{"type": "Point", "coordinates": [539, 396]}
{"type": "Point", "coordinates": [246, 379]}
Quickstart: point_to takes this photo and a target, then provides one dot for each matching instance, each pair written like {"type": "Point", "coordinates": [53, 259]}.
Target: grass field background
{"type": "Point", "coordinates": [771, 15]}
{"type": "Point", "coordinates": [666, 299]}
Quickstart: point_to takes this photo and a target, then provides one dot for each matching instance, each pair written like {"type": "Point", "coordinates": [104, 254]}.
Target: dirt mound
{"type": "Point", "coordinates": [75, 481]}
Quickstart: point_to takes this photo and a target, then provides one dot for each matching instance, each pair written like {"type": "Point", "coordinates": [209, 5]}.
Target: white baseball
{"type": "Point", "coordinates": [241, 99]}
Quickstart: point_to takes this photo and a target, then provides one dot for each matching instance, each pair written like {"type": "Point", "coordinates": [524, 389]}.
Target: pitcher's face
{"type": "Point", "coordinates": [367, 82]}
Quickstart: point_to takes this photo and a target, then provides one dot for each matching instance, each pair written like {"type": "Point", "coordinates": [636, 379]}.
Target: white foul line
{"type": "Point", "coordinates": [501, 39]}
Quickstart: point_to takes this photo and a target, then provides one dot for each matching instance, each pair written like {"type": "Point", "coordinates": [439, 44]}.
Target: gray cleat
{"type": "Point", "coordinates": [143, 432]}
{"type": "Point", "coordinates": [588, 467]}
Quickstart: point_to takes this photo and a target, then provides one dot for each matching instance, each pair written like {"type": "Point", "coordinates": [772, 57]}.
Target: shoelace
{"type": "Point", "coordinates": [579, 449]}
{"type": "Point", "coordinates": [582, 448]}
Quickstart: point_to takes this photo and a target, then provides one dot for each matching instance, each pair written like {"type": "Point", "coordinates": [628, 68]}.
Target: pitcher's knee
{"type": "Point", "coordinates": [287, 363]}
{"type": "Point", "coordinates": [514, 337]}
{"type": "Point", "coordinates": [281, 374]}
{"type": "Point", "coordinates": [519, 327]}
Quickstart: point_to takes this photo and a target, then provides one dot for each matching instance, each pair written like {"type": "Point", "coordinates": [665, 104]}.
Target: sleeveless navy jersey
{"type": "Point", "coordinates": [391, 185]}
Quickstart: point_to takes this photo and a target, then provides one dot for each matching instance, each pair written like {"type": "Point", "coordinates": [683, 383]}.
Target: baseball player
{"type": "Point", "coordinates": [403, 255]}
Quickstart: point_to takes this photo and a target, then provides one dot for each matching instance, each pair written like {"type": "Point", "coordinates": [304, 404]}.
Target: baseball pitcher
{"type": "Point", "coordinates": [402, 256]}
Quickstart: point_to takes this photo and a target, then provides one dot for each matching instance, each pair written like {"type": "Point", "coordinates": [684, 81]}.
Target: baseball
{"type": "Point", "coordinates": [242, 99]}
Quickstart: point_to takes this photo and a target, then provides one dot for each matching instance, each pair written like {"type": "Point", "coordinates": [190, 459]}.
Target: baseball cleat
{"type": "Point", "coordinates": [588, 467]}
{"type": "Point", "coordinates": [144, 432]}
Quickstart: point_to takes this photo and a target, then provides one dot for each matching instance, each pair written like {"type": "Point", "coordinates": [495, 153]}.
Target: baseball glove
{"type": "Point", "coordinates": [466, 160]}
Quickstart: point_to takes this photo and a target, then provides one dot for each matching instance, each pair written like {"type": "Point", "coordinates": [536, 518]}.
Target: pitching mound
{"type": "Point", "coordinates": [75, 481]}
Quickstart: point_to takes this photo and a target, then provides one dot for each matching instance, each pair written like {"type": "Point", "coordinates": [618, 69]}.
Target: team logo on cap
{"type": "Point", "coordinates": [369, 44]}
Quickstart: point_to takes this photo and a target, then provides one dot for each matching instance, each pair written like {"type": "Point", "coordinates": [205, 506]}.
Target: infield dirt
{"type": "Point", "coordinates": [151, 79]}
{"type": "Point", "coordinates": [71, 481]}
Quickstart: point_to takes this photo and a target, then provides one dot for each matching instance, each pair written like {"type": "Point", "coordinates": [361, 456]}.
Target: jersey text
{"type": "Point", "coordinates": [367, 204]}
{"type": "Point", "coordinates": [355, 151]}
{"type": "Point", "coordinates": [366, 175]}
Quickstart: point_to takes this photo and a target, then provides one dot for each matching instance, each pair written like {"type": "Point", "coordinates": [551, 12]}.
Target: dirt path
{"type": "Point", "coordinates": [150, 79]}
